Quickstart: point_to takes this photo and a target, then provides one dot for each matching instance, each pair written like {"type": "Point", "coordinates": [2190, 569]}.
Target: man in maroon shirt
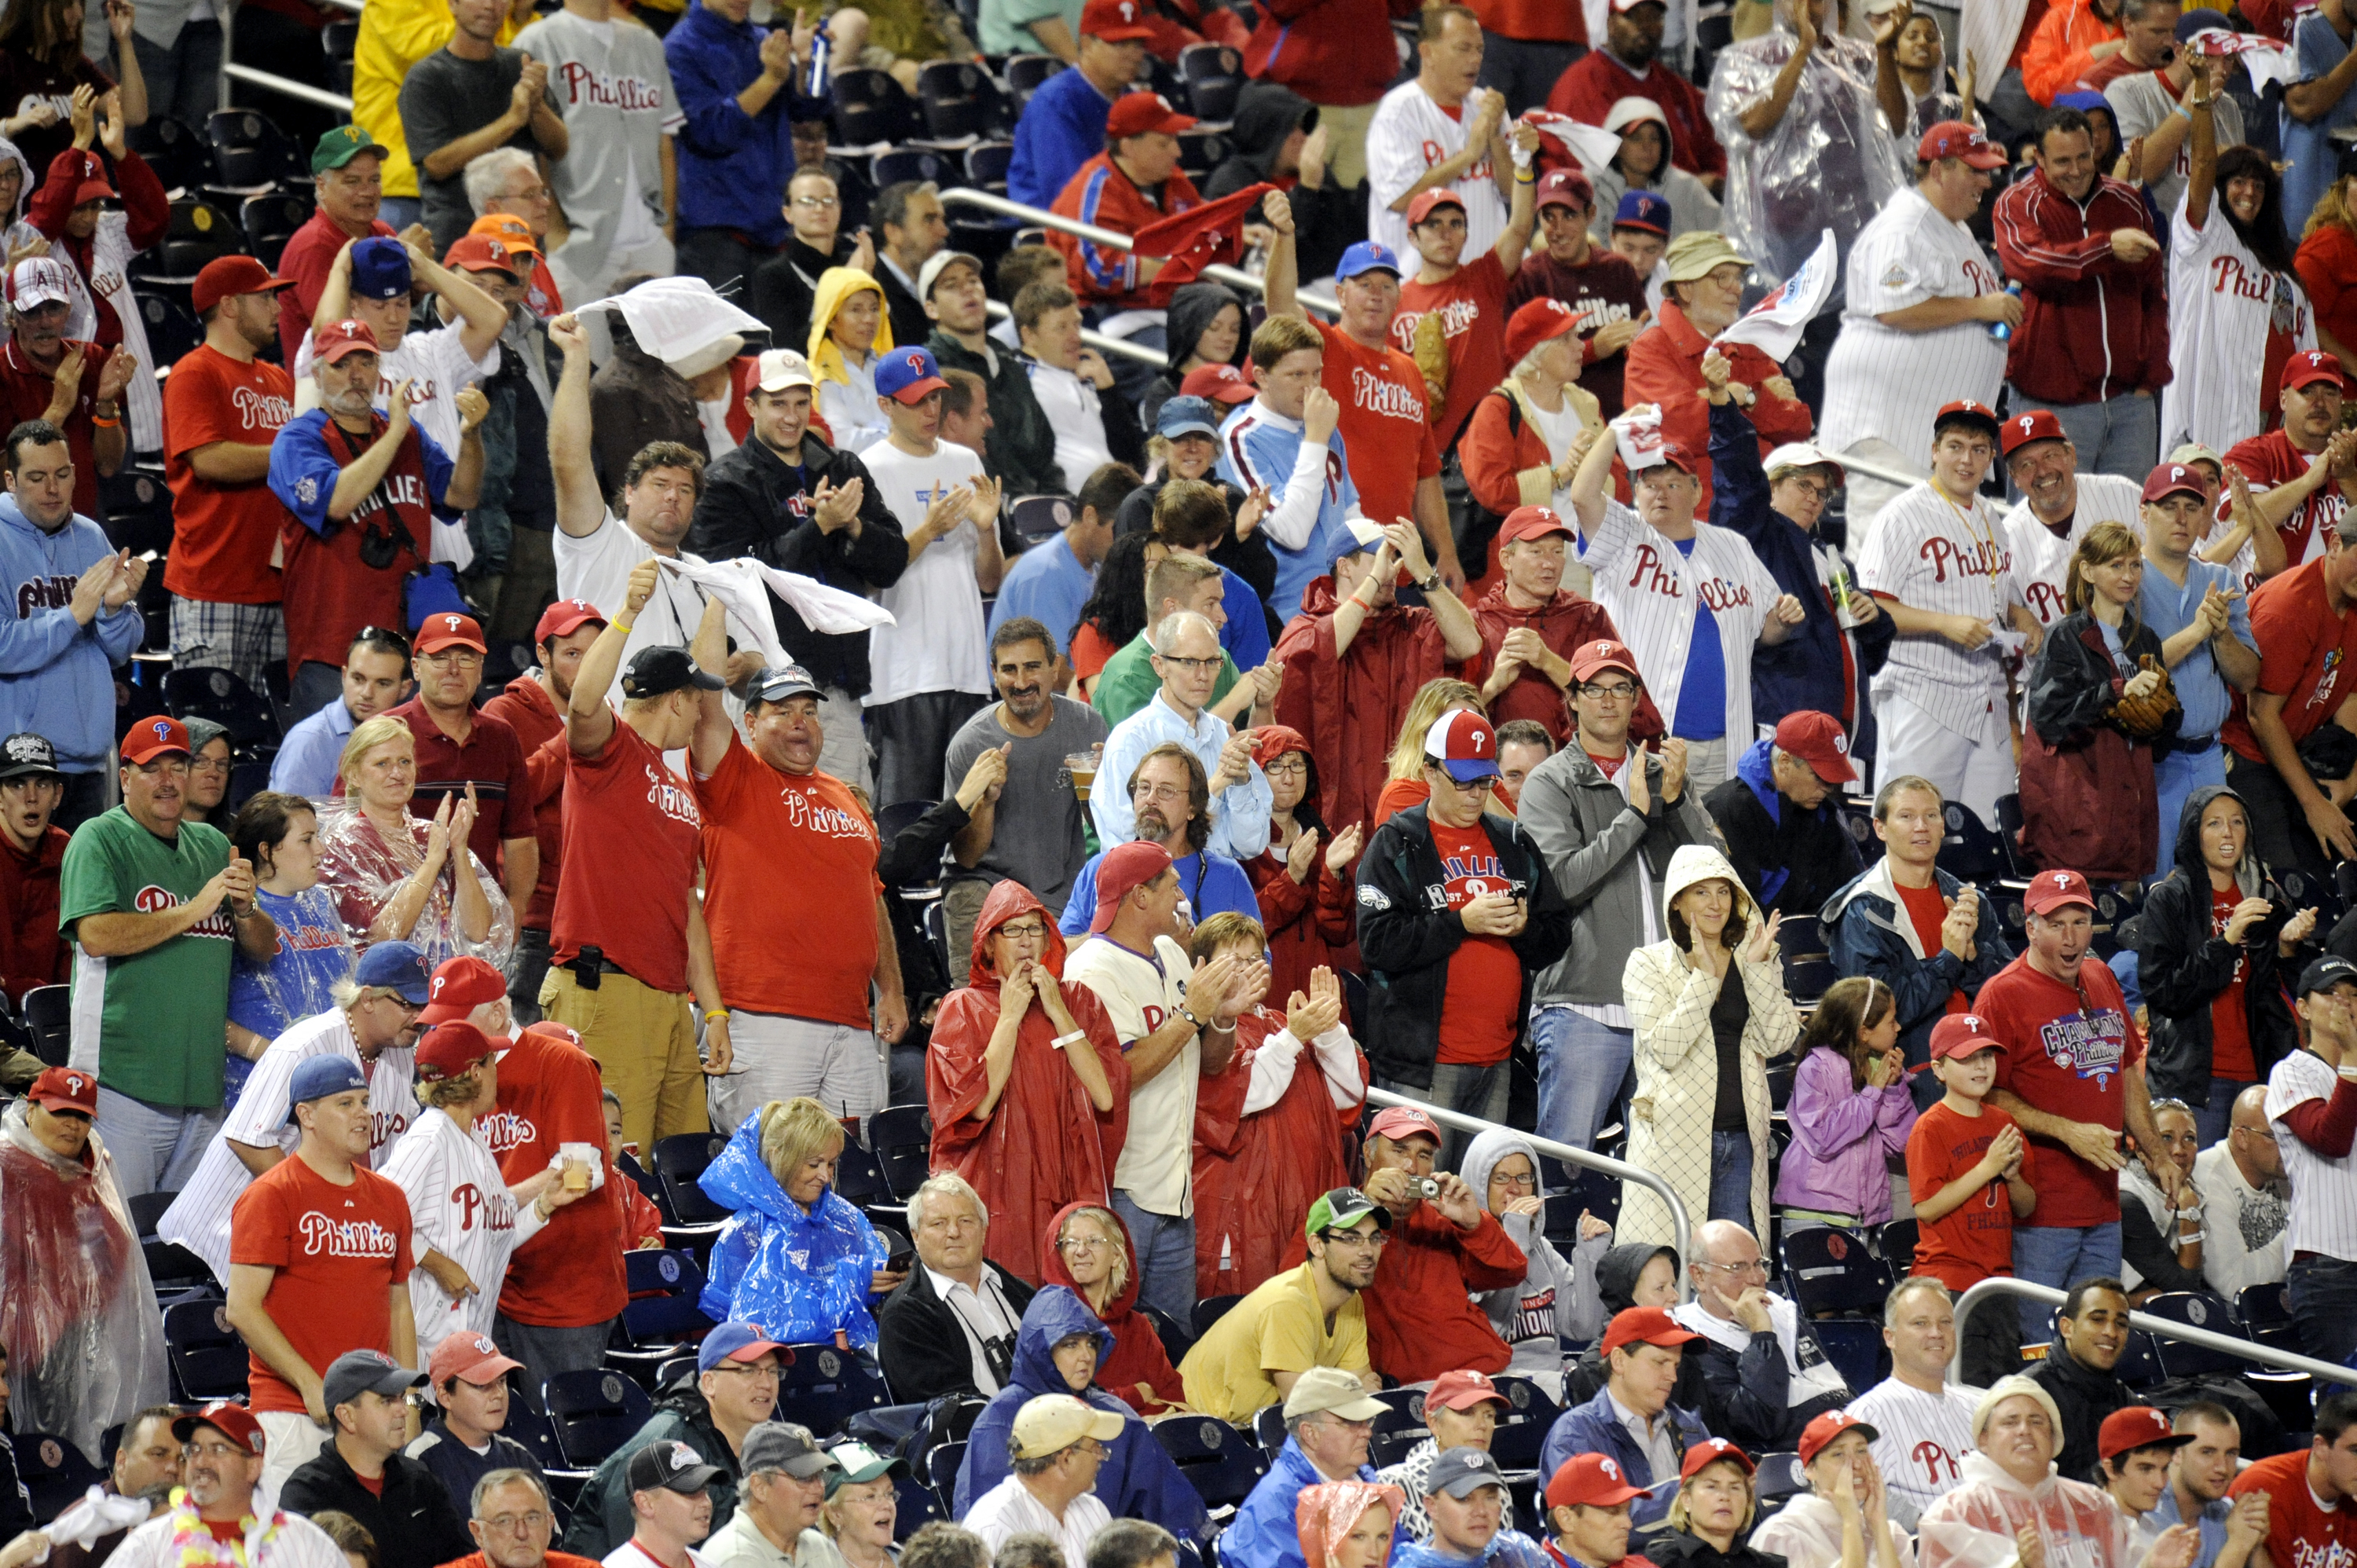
{"type": "Point", "coordinates": [346, 170]}
{"type": "Point", "coordinates": [31, 850]}
{"type": "Point", "coordinates": [1630, 64]}
{"type": "Point", "coordinates": [459, 750]}
{"type": "Point", "coordinates": [533, 706]}
{"type": "Point", "coordinates": [1602, 286]}
{"type": "Point", "coordinates": [2303, 473]}
{"type": "Point", "coordinates": [78, 387]}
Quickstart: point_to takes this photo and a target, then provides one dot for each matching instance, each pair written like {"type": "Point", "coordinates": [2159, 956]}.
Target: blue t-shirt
{"type": "Point", "coordinates": [1702, 691]}
{"type": "Point", "coordinates": [1211, 884]}
{"type": "Point", "coordinates": [314, 953]}
{"type": "Point", "coordinates": [1049, 583]}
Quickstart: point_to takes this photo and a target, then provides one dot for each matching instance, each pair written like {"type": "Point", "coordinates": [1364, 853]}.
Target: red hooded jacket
{"type": "Point", "coordinates": [1042, 1145]}
{"type": "Point", "coordinates": [1137, 1353]}
{"type": "Point", "coordinates": [1563, 623]}
{"type": "Point", "coordinates": [1350, 707]}
{"type": "Point", "coordinates": [1310, 923]}
{"type": "Point", "coordinates": [2093, 325]}
{"type": "Point", "coordinates": [1666, 368]}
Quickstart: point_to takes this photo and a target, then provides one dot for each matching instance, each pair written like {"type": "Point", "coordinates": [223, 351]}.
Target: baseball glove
{"type": "Point", "coordinates": [2140, 718]}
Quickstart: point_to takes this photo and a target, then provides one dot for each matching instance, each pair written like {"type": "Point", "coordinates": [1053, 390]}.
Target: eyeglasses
{"type": "Point", "coordinates": [1360, 1240]}
{"type": "Point", "coordinates": [1618, 692]}
{"type": "Point", "coordinates": [209, 765]}
{"type": "Point", "coordinates": [1753, 1266]}
{"type": "Point", "coordinates": [817, 201]}
{"type": "Point", "coordinates": [1157, 792]}
{"type": "Point", "coordinates": [2261, 1133]}
{"type": "Point", "coordinates": [1032, 929]}
{"type": "Point", "coordinates": [531, 1523]}
{"type": "Point", "coordinates": [1811, 489]}
{"type": "Point", "coordinates": [1081, 1244]}
{"type": "Point", "coordinates": [1292, 764]}
{"type": "Point", "coordinates": [1191, 666]}
{"type": "Point", "coordinates": [759, 1374]}
{"type": "Point", "coordinates": [1526, 1179]}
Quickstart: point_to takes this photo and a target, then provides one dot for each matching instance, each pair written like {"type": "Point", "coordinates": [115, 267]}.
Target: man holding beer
{"type": "Point", "coordinates": [1027, 825]}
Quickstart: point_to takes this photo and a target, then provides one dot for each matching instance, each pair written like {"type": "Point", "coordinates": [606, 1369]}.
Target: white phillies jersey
{"type": "Point", "coordinates": [2223, 304]}
{"type": "Point", "coordinates": [1884, 382]}
{"type": "Point", "coordinates": [1410, 134]}
{"type": "Point", "coordinates": [1925, 1438]}
{"type": "Point", "coordinates": [1652, 589]}
{"type": "Point", "coordinates": [2323, 1192]}
{"type": "Point", "coordinates": [2042, 561]}
{"type": "Point", "coordinates": [458, 1207]}
{"type": "Point", "coordinates": [1930, 555]}
{"type": "Point", "coordinates": [262, 1119]}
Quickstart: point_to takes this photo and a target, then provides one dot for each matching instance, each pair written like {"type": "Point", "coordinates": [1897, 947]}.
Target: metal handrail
{"type": "Point", "coordinates": [2168, 1328]}
{"type": "Point", "coordinates": [1097, 341]}
{"type": "Point", "coordinates": [231, 71]}
{"type": "Point", "coordinates": [1680, 1226]}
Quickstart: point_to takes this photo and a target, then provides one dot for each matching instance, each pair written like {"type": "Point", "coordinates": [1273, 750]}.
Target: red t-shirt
{"type": "Point", "coordinates": [1537, 21]}
{"type": "Point", "coordinates": [2230, 1017]}
{"type": "Point", "coordinates": [630, 830]}
{"type": "Point", "coordinates": [2305, 654]}
{"type": "Point", "coordinates": [1472, 309]}
{"type": "Point", "coordinates": [2270, 460]}
{"type": "Point", "coordinates": [222, 535]}
{"type": "Point", "coordinates": [338, 1252]}
{"type": "Point", "coordinates": [1974, 1239]}
{"type": "Point", "coordinates": [492, 761]}
{"type": "Point", "coordinates": [1927, 908]}
{"type": "Point", "coordinates": [801, 946]}
{"type": "Point", "coordinates": [570, 1274]}
{"type": "Point", "coordinates": [25, 392]}
{"type": "Point", "coordinates": [1386, 427]}
{"type": "Point", "coordinates": [2068, 1050]}
{"type": "Point", "coordinates": [2301, 1533]}
{"type": "Point", "coordinates": [1480, 1011]}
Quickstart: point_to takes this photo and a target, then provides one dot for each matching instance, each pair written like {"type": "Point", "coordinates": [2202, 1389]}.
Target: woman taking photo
{"type": "Point", "coordinates": [1347, 1524]}
{"type": "Point", "coordinates": [1644, 163]}
{"type": "Point", "coordinates": [1088, 1252]}
{"type": "Point", "coordinates": [1709, 1009]}
{"type": "Point", "coordinates": [1843, 1519]}
{"type": "Point", "coordinates": [796, 1258]}
{"type": "Point", "coordinates": [1850, 1111]}
{"type": "Point", "coordinates": [1712, 1512]}
{"type": "Point", "coordinates": [278, 834]}
{"type": "Point", "coordinates": [2099, 703]}
{"type": "Point", "coordinates": [395, 875]}
{"type": "Point", "coordinates": [1303, 879]}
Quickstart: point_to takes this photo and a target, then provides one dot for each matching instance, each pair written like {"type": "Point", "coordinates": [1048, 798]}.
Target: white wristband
{"type": "Point", "coordinates": [1061, 1041]}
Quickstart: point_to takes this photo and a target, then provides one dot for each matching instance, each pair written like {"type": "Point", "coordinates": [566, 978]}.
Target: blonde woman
{"type": "Point", "coordinates": [467, 1220]}
{"type": "Point", "coordinates": [1712, 1514]}
{"type": "Point", "coordinates": [1089, 1253]}
{"type": "Point", "coordinates": [1709, 1009]}
{"type": "Point", "coordinates": [395, 875]}
{"type": "Point", "coordinates": [861, 1507]}
{"type": "Point", "coordinates": [797, 1258]}
{"type": "Point", "coordinates": [1404, 773]}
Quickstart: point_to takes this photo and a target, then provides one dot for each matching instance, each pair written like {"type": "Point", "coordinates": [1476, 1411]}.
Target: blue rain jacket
{"type": "Point", "coordinates": [801, 1275]}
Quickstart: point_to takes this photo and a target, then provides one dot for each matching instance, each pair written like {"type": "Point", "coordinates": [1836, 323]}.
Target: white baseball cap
{"type": "Point", "coordinates": [939, 262]}
{"type": "Point", "coordinates": [1800, 454]}
{"type": "Point", "coordinates": [783, 368]}
{"type": "Point", "coordinates": [39, 280]}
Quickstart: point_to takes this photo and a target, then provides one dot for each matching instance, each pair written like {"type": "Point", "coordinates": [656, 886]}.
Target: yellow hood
{"type": "Point", "coordinates": [834, 285]}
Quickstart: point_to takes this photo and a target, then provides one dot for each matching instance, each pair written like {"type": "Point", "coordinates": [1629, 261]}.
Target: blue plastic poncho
{"type": "Point", "coordinates": [801, 1274]}
{"type": "Point", "coordinates": [1138, 1479]}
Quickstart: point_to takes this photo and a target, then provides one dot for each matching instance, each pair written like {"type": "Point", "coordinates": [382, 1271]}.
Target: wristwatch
{"type": "Point", "coordinates": [1431, 584]}
{"type": "Point", "coordinates": [1190, 1016]}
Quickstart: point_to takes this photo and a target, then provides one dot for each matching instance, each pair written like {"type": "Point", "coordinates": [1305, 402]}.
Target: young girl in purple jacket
{"type": "Point", "coordinates": [1850, 1111]}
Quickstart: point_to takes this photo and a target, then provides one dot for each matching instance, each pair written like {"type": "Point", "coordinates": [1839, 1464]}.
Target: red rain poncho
{"type": "Point", "coordinates": [1137, 1354]}
{"type": "Point", "coordinates": [1351, 706]}
{"type": "Point", "coordinates": [1043, 1145]}
{"type": "Point", "coordinates": [1308, 923]}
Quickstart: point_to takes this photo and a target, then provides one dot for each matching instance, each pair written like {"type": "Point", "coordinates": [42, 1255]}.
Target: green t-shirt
{"type": "Point", "coordinates": [1127, 682]}
{"type": "Point", "coordinates": [157, 1033]}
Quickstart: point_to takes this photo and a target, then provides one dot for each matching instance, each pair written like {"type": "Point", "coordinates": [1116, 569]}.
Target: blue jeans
{"type": "Point", "coordinates": [2213, 1122]}
{"type": "Point", "coordinates": [1582, 1066]}
{"type": "Point", "coordinates": [1165, 1259]}
{"type": "Point", "coordinates": [2175, 776]}
{"type": "Point", "coordinates": [1730, 1177]}
{"type": "Point", "coordinates": [2061, 1257]}
{"type": "Point", "coordinates": [2322, 1295]}
{"type": "Point", "coordinates": [156, 1147]}
{"type": "Point", "coordinates": [1466, 1087]}
{"type": "Point", "coordinates": [2118, 435]}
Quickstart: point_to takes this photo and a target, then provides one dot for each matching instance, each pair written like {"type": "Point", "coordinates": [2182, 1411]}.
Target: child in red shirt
{"type": "Point", "coordinates": [1961, 1151]}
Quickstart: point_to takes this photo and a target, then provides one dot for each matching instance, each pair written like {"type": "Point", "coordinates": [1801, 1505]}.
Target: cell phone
{"type": "Point", "coordinates": [900, 1262]}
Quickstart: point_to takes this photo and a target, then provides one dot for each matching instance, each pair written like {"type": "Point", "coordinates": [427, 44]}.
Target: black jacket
{"type": "Point", "coordinates": [1019, 451]}
{"type": "Point", "coordinates": [1746, 1394]}
{"type": "Point", "coordinates": [2085, 1397]}
{"type": "Point", "coordinates": [1407, 934]}
{"type": "Point", "coordinates": [1676, 1549]}
{"type": "Point", "coordinates": [755, 504]}
{"type": "Point", "coordinates": [1326, 222]}
{"type": "Point", "coordinates": [1251, 559]}
{"type": "Point", "coordinates": [1617, 1273]}
{"type": "Point", "coordinates": [636, 400]}
{"type": "Point", "coordinates": [1791, 863]}
{"type": "Point", "coordinates": [924, 1350]}
{"type": "Point", "coordinates": [415, 1523]}
{"type": "Point", "coordinates": [786, 287]}
{"type": "Point", "coordinates": [2182, 965]}
{"type": "Point", "coordinates": [909, 322]}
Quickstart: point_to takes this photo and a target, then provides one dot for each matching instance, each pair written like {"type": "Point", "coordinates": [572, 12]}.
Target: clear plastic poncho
{"type": "Point", "coordinates": [1974, 1525]}
{"type": "Point", "coordinates": [77, 1310]}
{"type": "Point", "coordinates": [362, 871]}
{"type": "Point", "coordinates": [1830, 163]}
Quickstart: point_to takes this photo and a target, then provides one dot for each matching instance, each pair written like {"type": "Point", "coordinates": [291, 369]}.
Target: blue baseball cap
{"type": "Point", "coordinates": [2201, 19]}
{"type": "Point", "coordinates": [1356, 534]}
{"type": "Point", "coordinates": [1187, 416]}
{"type": "Point", "coordinates": [315, 1078]}
{"type": "Point", "coordinates": [1642, 209]}
{"type": "Point", "coordinates": [380, 268]}
{"type": "Point", "coordinates": [738, 1341]}
{"type": "Point", "coordinates": [909, 375]}
{"type": "Point", "coordinates": [1366, 256]}
{"type": "Point", "coordinates": [398, 968]}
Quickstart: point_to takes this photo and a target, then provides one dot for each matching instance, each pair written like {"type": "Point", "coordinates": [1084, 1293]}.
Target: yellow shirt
{"type": "Point", "coordinates": [1279, 1327]}
{"type": "Point", "coordinates": [395, 36]}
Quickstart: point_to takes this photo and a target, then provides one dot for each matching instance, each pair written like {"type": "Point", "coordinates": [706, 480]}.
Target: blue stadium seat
{"type": "Point", "coordinates": [826, 1387]}
{"type": "Point", "coordinates": [594, 1412]}
{"type": "Point", "coordinates": [902, 1137]}
{"type": "Point", "coordinates": [53, 1471]}
{"type": "Point", "coordinates": [207, 1357]}
{"type": "Point", "coordinates": [1215, 1457]}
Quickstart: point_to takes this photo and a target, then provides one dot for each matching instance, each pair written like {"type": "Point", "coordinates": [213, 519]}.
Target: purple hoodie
{"type": "Point", "coordinates": [1841, 1137]}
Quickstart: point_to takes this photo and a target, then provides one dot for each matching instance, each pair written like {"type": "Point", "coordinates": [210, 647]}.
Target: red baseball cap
{"type": "Point", "coordinates": [1591, 1480]}
{"type": "Point", "coordinates": [233, 1422]}
{"type": "Point", "coordinates": [558, 1034]}
{"type": "Point", "coordinates": [472, 253]}
{"type": "Point", "coordinates": [2050, 890]}
{"type": "Point", "coordinates": [1962, 1034]}
{"type": "Point", "coordinates": [1461, 744]}
{"type": "Point", "coordinates": [1539, 321]}
{"type": "Point", "coordinates": [1402, 1121]}
{"type": "Point", "coordinates": [564, 618]}
{"type": "Point", "coordinates": [1602, 654]}
{"type": "Point", "coordinates": [449, 631]}
{"type": "Point", "coordinates": [449, 1049]}
{"type": "Point", "coordinates": [1136, 113]}
{"type": "Point", "coordinates": [1462, 1390]}
{"type": "Point", "coordinates": [471, 1357]}
{"type": "Point", "coordinates": [2311, 365]}
{"type": "Point", "coordinates": [1973, 412]}
{"type": "Point", "coordinates": [1566, 188]}
{"type": "Point", "coordinates": [1125, 869]}
{"type": "Point", "coordinates": [1532, 523]}
{"type": "Point", "coordinates": [2170, 478]}
{"type": "Point", "coordinates": [226, 275]}
{"type": "Point", "coordinates": [154, 736]}
{"type": "Point", "coordinates": [1678, 455]}
{"type": "Point", "coordinates": [65, 1089]}
{"type": "Point", "coordinates": [1955, 139]}
{"type": "Point", "coordinates": [1643, 1325]}
{"type": "Point", "coordinates": [1819, 740]}
{"type": "Point", "coordinates": [2038, 424]}
{"type": "Point", "coordinates": [1829, 1426]}
{"type": "Point", "coordinates": [2134, 1426]}
{"type": "Point", "coordinates": [1710, 1452]}
{"type": "Point", "coordinates": [1220, 384]}
{"type": "Point", "coordinates": [342, 337]}
{"type": "Point", "coordinates": [1115, 21]}
{"type": "Point", "coordinates": [1438, 196]}
{"type": "Point", "coordinates": [459, 987]}
{"type": "Point", "coordinates": [92, 186]}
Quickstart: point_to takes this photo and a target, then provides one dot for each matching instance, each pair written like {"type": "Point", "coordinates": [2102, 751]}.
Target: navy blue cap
{"type": "Point", "coordinates": [2324, 974]}
{"type": "Point", "coordinates": [380, 268]}
{"type": "Point", "coordinates": [1366, 256]}
{"type": "Point", "coordinates": [2201, 19]}
{"type": "Point", "coordinates": [315, 1078]}
{"type": "Point", "coordinates": [1642, 209]}
{"type": "Point", "coordinates": [778, 683]}
{"type": "Point", "coordinates": [1187, 416]}
{"type": "Point", "coordinates": [398, 968]}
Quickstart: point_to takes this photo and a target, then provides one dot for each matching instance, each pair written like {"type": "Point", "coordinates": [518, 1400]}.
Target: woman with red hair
{"type": "Point", "coordinates": [1088, 1250]}
{"type": "Point", "coordinates": [1027, 1087]}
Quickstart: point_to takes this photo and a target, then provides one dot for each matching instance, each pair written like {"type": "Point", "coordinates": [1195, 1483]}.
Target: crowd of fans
{"type": "Point", "coordinates": [1518, 666]}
